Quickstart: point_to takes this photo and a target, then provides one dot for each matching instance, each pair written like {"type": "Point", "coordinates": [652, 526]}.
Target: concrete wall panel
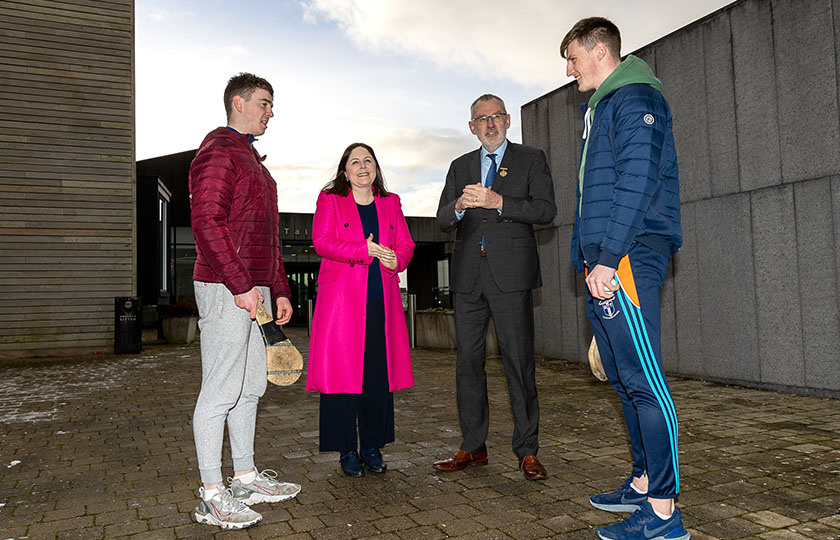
{"type": "Point", "coordinates": [548, 320]}
{"type": "Point", "coordinates": [667, 303]}
{"type": "Point", "coordinates": [584, 329]}
{"type": "Point", "coordinates": [756, 108]}
{"type": "Point", "coordinates": [540, 137]}
{"type": "Point", "coordinates": [567, 127]}
{"type": "Point", "coordinates": [727, 288]}
{"type": "Point", "coordinates": [571, 317]}
{"type": "Point", "coordinates": [687, 298]}
{"type": "Point", "coordinates": [684, 87]}
{"type": "Point", "coordinates": [528, 114]}
{"type": "Point", "coordinates": [815, 215]}
{"type": "Point", "coordinates": [720, 106]}
{"type": "Point", "coordinates": [777, 276]}
{"type": "Point", "coordinates": [806, 79]}
{"type": "Point", "coordinates": [648, 54]}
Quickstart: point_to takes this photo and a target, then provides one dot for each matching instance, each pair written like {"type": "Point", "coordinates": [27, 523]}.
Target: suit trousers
{"type": "Point", "coordinates": [627, 331]}
{"type": "Point", "coordinates": [513, 316]}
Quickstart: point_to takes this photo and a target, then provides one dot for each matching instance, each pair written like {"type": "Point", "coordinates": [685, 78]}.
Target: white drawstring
{"type": "Point", "coordinates": [587, 122]}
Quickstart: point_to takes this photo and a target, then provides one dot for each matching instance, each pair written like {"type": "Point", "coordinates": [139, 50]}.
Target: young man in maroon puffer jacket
{"type": "Point", "coordinates": [239, 264]}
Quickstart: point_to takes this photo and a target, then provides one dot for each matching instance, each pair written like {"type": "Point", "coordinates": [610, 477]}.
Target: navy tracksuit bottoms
{"type": "Point", "coordinates": [627, 331]}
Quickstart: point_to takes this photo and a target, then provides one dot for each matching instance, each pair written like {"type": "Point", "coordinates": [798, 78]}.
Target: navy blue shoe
{"type": "Point", "coordinates": [624, 499]}
{"type": "Point", "coordinates": [373, 459]}
{"type": "Point", "coordinates": [351, 464]}
{"type": "Point", "coordinates": [644, 524]}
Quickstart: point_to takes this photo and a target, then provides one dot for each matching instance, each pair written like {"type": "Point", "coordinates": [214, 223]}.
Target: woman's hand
{"type": "Point", "coordinates": [389, 259]}
{"type": "Point", "coordinates": [386, 256]}
{"type": "Point", "coordinates": [373, 247]}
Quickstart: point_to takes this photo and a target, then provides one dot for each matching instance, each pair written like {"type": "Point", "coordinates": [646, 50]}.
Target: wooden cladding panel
{"type": "Point", "coordinates": [67, 187]}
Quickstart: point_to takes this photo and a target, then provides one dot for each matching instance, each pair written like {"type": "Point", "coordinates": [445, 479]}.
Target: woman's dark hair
{"type": "Point", "coordinates": [339, 185]}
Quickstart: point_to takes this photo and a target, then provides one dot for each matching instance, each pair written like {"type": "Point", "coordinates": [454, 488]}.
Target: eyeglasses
{"type": "Point", "coordinates": [494, 117]}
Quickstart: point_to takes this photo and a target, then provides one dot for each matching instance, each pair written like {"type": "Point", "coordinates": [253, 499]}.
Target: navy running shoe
{"type": "Point", "coordinates": [644, 524]}
{"type": "Point", "coordinates": [624, 499]}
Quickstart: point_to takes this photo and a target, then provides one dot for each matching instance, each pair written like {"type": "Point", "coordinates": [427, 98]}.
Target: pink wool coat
{"type": "Point", "coordinates": [337, 344]}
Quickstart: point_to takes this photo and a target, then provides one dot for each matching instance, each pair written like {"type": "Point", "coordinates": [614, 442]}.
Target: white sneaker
{"type": "Point", "coordinates": [264, 488]}
{"type": "Point", "coordinates": [225, 511]}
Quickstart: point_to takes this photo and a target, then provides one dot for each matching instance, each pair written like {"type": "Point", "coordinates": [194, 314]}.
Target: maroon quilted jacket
{"type": "Point", "coordinates": [233, 201]}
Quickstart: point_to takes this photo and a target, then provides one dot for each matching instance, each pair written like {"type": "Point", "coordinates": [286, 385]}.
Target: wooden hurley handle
{"type": "Point", "coordinates": [263, 316]}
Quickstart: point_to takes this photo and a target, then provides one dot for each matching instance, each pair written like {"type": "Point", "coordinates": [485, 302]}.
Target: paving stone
{"type": "Point", "coordinates": [783, 535]}
{"type": "Point", "coordinates": [126, 528]}
{"type": "Point", "coordinates": [731, 528]}
{"type": "Point", "coordinates": [526, 531]}
{"type": "Point", "coordinates": [814, 529]}
{"type": "Point", "coordinates": [157, 534]}
{"type": "Point", "coordinates": [267, 529]}
{"type": "Point", "coordinates": [305, 524]}
{"type": "Point", "coordinates": [88, 533]}
{"type": "Point", "coordinates": [771, 520]}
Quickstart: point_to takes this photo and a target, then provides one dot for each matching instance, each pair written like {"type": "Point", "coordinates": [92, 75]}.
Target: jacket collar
{"type": "Point", "coordinates": [240, 139]}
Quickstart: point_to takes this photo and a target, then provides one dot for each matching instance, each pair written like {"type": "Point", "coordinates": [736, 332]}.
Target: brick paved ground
{"type": "Point", "coordinates": [101, 447]}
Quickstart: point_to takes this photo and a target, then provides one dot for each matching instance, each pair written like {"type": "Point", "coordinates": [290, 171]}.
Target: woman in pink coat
{"type": "Point", "coordinates": [358, 352]}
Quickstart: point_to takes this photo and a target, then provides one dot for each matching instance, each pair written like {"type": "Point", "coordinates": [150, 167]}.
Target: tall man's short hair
{"type": "Point", "coordinates": [592, 31]}
{"type": "Point", "coordinates": [244, 85]}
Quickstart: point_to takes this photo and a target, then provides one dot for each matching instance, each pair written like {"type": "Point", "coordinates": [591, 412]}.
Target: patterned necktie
{"type": "Point", "coordinates": [488, 183]}
{"type": "Point", "coordinates": [491, 172]}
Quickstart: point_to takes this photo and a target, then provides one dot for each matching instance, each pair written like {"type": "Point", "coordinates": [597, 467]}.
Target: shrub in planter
{"type": "Point", "coordinates": [435, 329]}
{"type": "Point", "coordinates": [180, 321]}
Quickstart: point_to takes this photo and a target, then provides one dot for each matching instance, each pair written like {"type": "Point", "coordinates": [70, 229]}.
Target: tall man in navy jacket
{"type": "Point", "coordinates": [493, 196]}
{"type": "Point", "coordinates": [627, 226]}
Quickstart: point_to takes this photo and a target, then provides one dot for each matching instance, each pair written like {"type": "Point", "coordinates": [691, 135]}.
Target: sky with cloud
{"type": "Point", "coordinates": [397, 75]}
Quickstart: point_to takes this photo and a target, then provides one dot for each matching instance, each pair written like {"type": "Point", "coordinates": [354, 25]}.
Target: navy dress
{"type": "Point", "coordinates": [373, 409]}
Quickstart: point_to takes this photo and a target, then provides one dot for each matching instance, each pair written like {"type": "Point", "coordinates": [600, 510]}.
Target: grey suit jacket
{"type": "Point", "coordinates": [524, 182]}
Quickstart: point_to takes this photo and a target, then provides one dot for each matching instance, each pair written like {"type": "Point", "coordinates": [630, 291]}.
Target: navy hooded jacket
{"type": "Point", "coordinates": [630, 186]}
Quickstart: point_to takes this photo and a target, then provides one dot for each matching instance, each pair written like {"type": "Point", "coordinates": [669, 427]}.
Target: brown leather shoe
{"type": "Point", "coordinates": [461, 460]}
{"type": "Point", "coordinates": [531, 467]}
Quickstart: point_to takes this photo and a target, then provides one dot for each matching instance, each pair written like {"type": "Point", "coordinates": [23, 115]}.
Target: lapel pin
{"type": "Point", "coordinates": [503, 172]}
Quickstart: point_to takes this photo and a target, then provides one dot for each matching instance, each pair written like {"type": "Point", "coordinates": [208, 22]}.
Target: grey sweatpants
{"type": "Point", "coordinates": [232, 380]}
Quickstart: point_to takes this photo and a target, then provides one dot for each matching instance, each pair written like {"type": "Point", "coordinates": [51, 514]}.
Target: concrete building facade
{"type": "Point", "coordinates": [752, 297]}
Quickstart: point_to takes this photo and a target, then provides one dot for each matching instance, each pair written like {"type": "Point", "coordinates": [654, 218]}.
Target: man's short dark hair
{"type": "Point", "coordinates": [486, 97]}
{"type": "Point", "coordinates": [592, 31]}
{"type": "Point", "coordinates": [244, 85]}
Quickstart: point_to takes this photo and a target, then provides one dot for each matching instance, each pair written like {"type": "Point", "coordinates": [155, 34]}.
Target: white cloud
{"type": "Point", "coordinates": [422, 200]}
{"type": "Point", "coordinates": [163, 14]}
{"type": "Point", "coordinates": [480, 36]}
{"type": "Point", "coordinates": [495, 38]}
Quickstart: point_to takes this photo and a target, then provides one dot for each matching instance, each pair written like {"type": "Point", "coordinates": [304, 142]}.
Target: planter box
{"type": "Point", "coordinates": [436, 330]}
{"type": "Point", "coordinates": [179, 329]}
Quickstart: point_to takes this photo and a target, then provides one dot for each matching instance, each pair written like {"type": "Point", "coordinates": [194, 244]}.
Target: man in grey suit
{"type": "Point", "coordinates": [493, 196]}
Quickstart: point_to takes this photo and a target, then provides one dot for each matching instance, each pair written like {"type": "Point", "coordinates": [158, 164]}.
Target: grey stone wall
{"type": "Point", "coordinates": [752, 296]}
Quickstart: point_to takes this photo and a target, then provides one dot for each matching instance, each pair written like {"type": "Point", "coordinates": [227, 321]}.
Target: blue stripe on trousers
{"type": "Point", "coordinates": [633, 316]}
